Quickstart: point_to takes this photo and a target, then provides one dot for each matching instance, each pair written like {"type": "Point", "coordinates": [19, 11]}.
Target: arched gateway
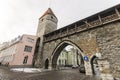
{"type": "Point", "coordinates": [97, 34]}
{"type": "Point", "coordinates": [58, 50]}
{"type": "Point", "coordinates": [53, 49]}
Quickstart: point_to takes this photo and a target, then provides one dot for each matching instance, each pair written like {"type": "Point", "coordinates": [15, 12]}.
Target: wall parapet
{"type": "Point", "coordinates": [97, 20]}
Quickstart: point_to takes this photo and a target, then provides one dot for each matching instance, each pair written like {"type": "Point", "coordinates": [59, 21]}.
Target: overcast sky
{"type": "Point", "coordinates": [19, 17]}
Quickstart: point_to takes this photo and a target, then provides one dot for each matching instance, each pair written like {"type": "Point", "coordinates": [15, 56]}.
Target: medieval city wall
{"type": "Point", "coordinates": [103, 39]}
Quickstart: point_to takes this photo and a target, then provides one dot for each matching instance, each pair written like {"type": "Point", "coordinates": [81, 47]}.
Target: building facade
{"type": "Point", "coordinates": [69, 58]}
{"type": "Point", "coordinates": [18, 52]}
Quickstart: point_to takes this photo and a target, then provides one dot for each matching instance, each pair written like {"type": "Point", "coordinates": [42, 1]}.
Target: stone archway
{"type": "Point", "coordinates": [46, 64]}
{"type": "Point", "coordinates": [58, 50]}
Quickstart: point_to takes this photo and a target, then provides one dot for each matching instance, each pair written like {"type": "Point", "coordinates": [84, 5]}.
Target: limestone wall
{"type": "Point", "coordinates": [108, 38]}
{"type": "Point", "coordinates": [103, 39]}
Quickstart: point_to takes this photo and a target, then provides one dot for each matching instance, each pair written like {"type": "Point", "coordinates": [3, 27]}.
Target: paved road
{"type": "Point", "coordinates": [73, 74]}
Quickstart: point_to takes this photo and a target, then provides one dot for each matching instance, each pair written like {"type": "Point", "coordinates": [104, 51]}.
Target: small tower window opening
{"type": "Point", "coordinates": [51, 17]}
{"type": "Point", "coordinates": [42, 19]}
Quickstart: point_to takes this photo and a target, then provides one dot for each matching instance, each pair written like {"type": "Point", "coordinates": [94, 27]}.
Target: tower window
{"type": "Point", "coordinates": [42, 19]}
{"type": "Point", "coordinates": [52, 17]}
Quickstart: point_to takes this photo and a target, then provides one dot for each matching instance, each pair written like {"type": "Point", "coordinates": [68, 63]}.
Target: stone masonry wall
{"type": "Point", "coordinates": [108, 38]}
{"type": "Point", "coordinates": [104, 39]}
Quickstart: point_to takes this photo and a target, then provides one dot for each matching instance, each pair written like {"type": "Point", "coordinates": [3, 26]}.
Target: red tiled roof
{"type": "Point", "coordinates": [49, 11]}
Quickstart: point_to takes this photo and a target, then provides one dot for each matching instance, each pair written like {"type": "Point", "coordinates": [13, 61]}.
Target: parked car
{"type": "Point", "coordinates": [74, 66]}
{"type": "Point", "coordinates": [82, 68]}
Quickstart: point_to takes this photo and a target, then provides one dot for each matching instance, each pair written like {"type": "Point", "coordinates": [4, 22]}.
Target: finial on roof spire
{"type": "Point", "coordinates": [49, 3]}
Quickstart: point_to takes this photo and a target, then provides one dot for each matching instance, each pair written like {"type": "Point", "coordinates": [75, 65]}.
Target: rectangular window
{"type": "Point", "coordinates": [28, 48]}
{"type": "Point", "coordinates": [30, 40]}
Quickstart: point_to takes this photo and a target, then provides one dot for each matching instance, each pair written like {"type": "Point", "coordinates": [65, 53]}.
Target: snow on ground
{"type": "Point", "coordinates": [27, 70]}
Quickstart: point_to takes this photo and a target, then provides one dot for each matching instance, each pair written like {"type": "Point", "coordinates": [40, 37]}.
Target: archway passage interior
{"type": "Point", "coordinates": [67, 58]}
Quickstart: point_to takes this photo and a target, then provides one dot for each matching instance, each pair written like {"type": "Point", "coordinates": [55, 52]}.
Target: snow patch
{"type": "Point", "coordinates": [27, 70]}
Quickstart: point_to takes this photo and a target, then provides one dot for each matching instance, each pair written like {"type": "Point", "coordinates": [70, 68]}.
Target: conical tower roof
{"type": "Point", "coordinates": [49, 11]}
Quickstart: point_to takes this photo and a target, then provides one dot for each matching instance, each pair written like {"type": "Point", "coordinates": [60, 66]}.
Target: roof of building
{"type": "Point", "coordinates": [49, 11]}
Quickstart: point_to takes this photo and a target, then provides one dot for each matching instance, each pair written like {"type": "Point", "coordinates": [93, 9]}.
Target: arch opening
{"type": "Point", "coordinates": [94, 65]}
{"type": "Point", "coordinates": [46, 64]}
{"type": "Point", "coordinates": [67, 55]}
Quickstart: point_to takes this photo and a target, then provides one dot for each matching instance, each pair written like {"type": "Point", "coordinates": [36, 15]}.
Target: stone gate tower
{"type": "Point", "coordinates": [47, 23]}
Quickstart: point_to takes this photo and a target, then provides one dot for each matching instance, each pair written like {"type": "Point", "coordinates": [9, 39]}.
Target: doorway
{"type": "Point", "coordinates": [95, 67]}
{"type": "Point", "coordinates": [46, 64]}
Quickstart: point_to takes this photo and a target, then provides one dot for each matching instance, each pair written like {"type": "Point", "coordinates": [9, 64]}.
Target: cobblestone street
{"type": "Point", "coordinates": [6, 74]}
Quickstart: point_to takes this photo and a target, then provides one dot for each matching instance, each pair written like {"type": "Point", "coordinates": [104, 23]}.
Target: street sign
{"type": "Point", "coordinates": [86, 58]}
